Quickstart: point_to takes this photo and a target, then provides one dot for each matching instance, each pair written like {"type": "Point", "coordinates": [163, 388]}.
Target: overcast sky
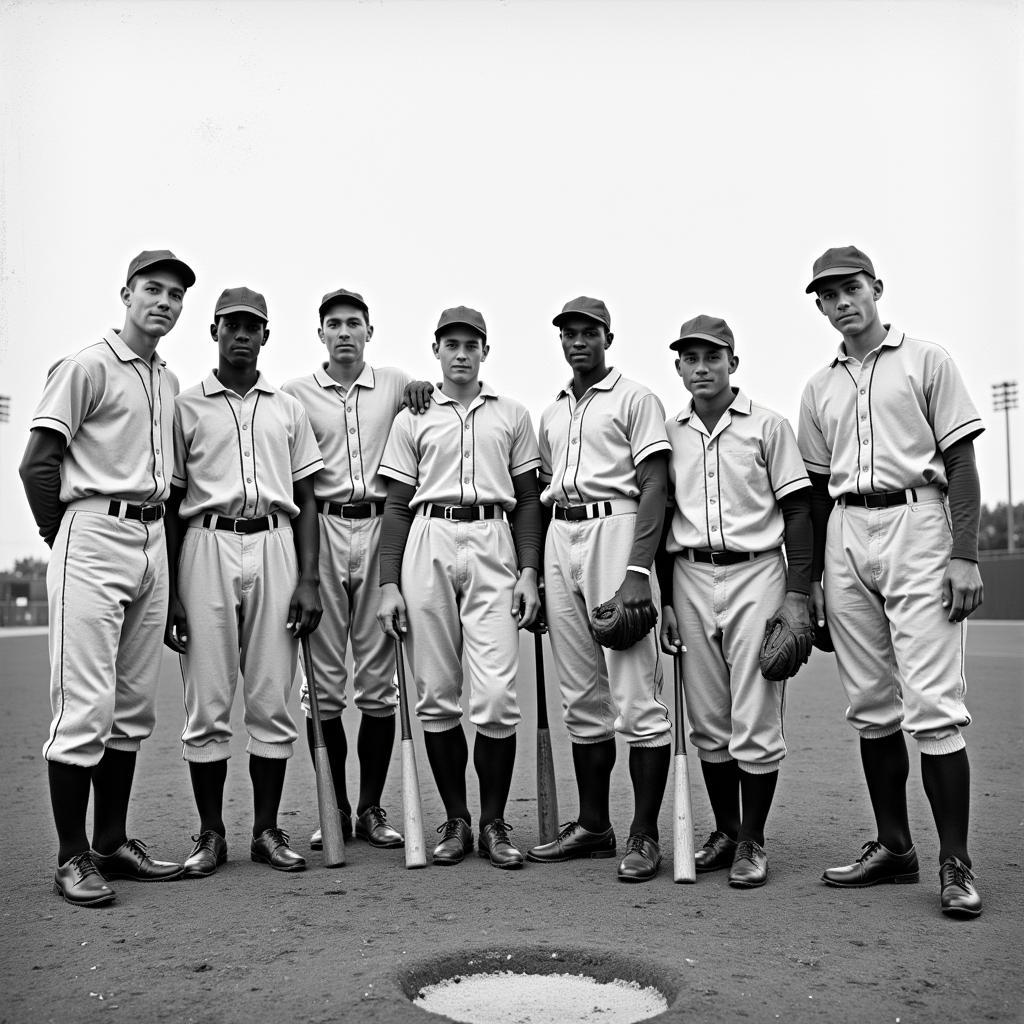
{"type": "Point", "coordinates": [671, 158]}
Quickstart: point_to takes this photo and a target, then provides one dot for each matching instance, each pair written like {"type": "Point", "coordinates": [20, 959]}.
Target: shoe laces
{"type": "Point", "coordinates": [745, 850]}
{"type": "Point", "coordinates": [567, 828]}
{"type": "Point", "coordinates": [500, 829]}
{"type": "Point", "coordinates": [280, 836]}
{"type": "Point", "coordinates": [377, 814]}
{"type": "Point", "coordinates": [84, 864]}
{"type": "Point", "coordinates": [635, 843]}
{"type": "Point", "coordinates": [955, 872]}
{"type": "Point", "coordinates": [450, 829]}
{"type": "Point", "coordinates": [868, 850]}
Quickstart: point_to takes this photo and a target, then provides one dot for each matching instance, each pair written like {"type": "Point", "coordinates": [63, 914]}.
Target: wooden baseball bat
{"type": "Point", "coordinates": [683, 869]}
{"type": "Point", "coordinates": [326, 798]}
{"type": "Point", "coordinates": [547, 794]}
{"type": "Point", "coordinates": [415, 849]}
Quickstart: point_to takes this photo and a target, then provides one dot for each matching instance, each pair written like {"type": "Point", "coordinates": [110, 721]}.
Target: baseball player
{"type": "Point", "coordinates": [351, 406]}
{"type": "Point", "coordinates": [604, 455]}
{"type": "Point", "coordinates": [740, 491]}
{"type": "Point", "coordinates": [456, 577]}
{"type": "Point", "coordinates": [97, 472]}
{"type": "Point", "coordinates": [887, 431]}
{"type": "Point", "coordinates": [244, 580]}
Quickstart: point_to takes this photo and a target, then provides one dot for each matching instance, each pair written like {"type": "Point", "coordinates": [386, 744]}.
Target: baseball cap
{"type": "Point", "coordinates": [595, 309]}
{"type": "Point", "coordinates": [706, 328]}
{"type": "Point", "coordinates": [241, 300]}
{"type": "Point", "coordinates": [841, 262]}
{"type": "Point", "coordinates": [461, 315]}
{"type": "Point", "coordinates": [343, 295]}
{"type": "Point", "coordinates": [151, 257]}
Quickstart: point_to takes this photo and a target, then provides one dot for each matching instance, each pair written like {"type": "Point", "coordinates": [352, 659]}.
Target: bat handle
{"type": "Point", "coordinates": [403, 691]}
{"type": "Point", "coordinates": [314, 700]}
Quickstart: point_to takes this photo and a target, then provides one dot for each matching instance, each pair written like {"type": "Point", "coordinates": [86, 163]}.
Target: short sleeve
{"type": "Point", "coordinates": [525, 455]}
{"type": "Point", "coordinates": [785, 465]}
{"type": "Point", "coordinates": [544, 447]}
{"type": "Point", "coordinates": [306, 457]}
{"type": "Point", "coordinates": [400, 461]}
{"type": "Point", "coordinates": [68, 397]}
{"type": "Point", "coordinates": [647, 434]}
{"type": "Point", "coordinates": [813, 448]}
{"type": "Point", "coordinates": [952, 413]}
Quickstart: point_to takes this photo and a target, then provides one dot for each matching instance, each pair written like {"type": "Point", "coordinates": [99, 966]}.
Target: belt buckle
{"type": "Point", "coordinates": [876, 501]}
{"type": "Point", "coordinates": [714, 557]}
{"type": "Point", "coordinates": [234, 527]}
{"type": "Point", "coordinates": [346, 511]}
{"type": "Point", "coordinates": [448, 513]}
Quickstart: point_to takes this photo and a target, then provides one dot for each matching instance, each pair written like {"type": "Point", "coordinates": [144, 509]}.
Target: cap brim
{"type": "Point", "coordinates": [242, 308]}
{"type": "Point", "coordinates": [834, 272]}
{"type": "Point", "coordinates": [188, 277]}
{"type": "Point", "coordinates": [460, 323]}
{"type": "Point", "coordinates": [678, 343]}
{"type": "Point", "coordinates": [343, 300]}
{"type": "Point", "coordinates": [578, 312]}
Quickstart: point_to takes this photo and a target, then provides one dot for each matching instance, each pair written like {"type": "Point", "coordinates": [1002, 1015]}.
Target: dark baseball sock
{"type": "Point", "coordinates": [886, 767]}
{"type": "Point", "coordinates": [337, 752]}
{"type": "Point", "coordinates": [448, 755]}
{"type": "Point", "coordinates": [722, 780]}
{"type": "Point", "coordinates": [593, 763]}
{"type": "Point", "coordinates": [267, 774]}
{"type": "Point", "coordinates": [494, 761]}
{"type": "Point", "coordinates": [374, 746]}
{"type": "Point", "coordinates": [69, 796]}
{"type": "Point", "coordinates": [208, 789]}
{"type": "Point", "coordinates": [648, 768]}
{"type": "Point", "coordinates": [947, 784]}
{"type": "Point", "coordinates": [111, 790]}
{"type": "Point", "coordinates": [757, 792]}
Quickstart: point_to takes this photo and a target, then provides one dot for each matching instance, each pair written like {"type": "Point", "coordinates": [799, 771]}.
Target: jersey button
{"type": "Point", "coordinates": [245, 426]}
{"type": "Point", "coordinates": [351, 430]}
{"type": "Point", "coordinates": [466, 454]}
{"type": "Point", "coordinates": [712, 473]}
{"type": "Point", "coordinates": [575, 440]}
{"type": "Point", "coordinates": [465, 479]}
{"type": "Point", "coordinates": [348, 408]}
{"type": "Point", "coordinates": [248, 479]}
{"type": "Point", "coordinates": [713, 500]}
{"type": "Point", "coordinates": [714, 529]}
{"type": "Point", "coordinates": [866, 442]}
{"type": "Point", "coordinates": [863, 391]}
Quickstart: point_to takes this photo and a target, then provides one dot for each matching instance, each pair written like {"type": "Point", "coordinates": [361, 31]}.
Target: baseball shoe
{"type": "Point", "coordinates": [271, 847]}
{"type": "Point", "coordinates": [572, 842]}
{"type": "Point", "coordinates": [316, 840]}
{"type": "Point", "coordinates": [495, 844]}
{"type": "Point", "coordinates": [749, 867]}
{"type": "Point", "coordinates": [372, 826]}
{"type": "Point", "coordinates": [875, 865]}
{"type": "Point", "coordinates": [642, 860]}
{"type": "Point", "coordinates": [131, 861]}
{"type": "Point", "coordinates": [959, 896]}
{"type": "Point", "coordinates": [716, 853]}
{"type": "Point", "coordinates": [210, 852]}
{"type": "Point", "coordinates": [456, 842]}
{"type": "Point", "coordinates": [78, 881]}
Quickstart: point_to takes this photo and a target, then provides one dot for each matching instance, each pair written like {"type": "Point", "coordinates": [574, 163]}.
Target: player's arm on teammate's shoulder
{"type": "Point", "coordinates": [664, 563]}
{"type": "Point", "coordinates": [40, 475]}
{"type": "Point", "coordinates": [652, 479]}
{"type": "Point", "coordinates": [962, 589]}
{"type": "Point", "coordinates": [305, 609]}
{"type": "Point", "coordinates": [528, 534]}
{"type": "Point", "coordinates": [416, 396]}
{"type": "Point", "coordinates": [176, 630]}
{"type": "Point", "coordinates": [393, 535]}
{"type": "Point", "coordinates": [821, 509]}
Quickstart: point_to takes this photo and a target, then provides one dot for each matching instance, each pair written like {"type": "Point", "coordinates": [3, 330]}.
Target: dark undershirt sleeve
{"type": "Point", "coordinates": [395, 531]}
{"type": "Point", "coordinates": [526, 521]}
{"type": "Point", "coordinates": [652, 479]}
{"type": "Point", "coordinates": [964, 498]}
{"type": "Point", "coordinates": [664, 561]}
{"type": "Point", "coordinates": [821, 509]}
{"type": "Point", "coordinates": [40, 475]}
{"type": "Point", "coordinates": [796, 513]}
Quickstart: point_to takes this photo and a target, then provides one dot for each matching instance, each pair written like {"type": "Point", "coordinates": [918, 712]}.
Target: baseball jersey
{"type": "Point", "coordinates": [727, 484]}
{"type": "Point", "coordinates": [882, 424]}
{"type": "Point", "coordinates": [240, 456]}
{"type": "Point", "coordinates": [351, 427]}
{"type": "Point", "coordinates": [115, 410]}
{"type": "Point", "coordinates": [589, 449]}
{"type": "Point", "coordinates": [457, 456]}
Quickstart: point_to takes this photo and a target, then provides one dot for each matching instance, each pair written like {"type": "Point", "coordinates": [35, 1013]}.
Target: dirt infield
{"type": "Point", "coordinates": [333, 945]}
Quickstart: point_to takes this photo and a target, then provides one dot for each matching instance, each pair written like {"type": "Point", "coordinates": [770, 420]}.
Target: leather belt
{"type": "Point", "coordinates": [212, 522]}
{"type": "Point", "coordinates": [462, 513]}
{"type": "Point", "coordinates": [723, 557]}
{"type": "Point", "coordinates": [137, 513]}
{"type": "Point", "coordinates": [891, 499]}
{"type": "Point", "coordinates": [592, 510]}
{"type": "Point", "coordinates": [359, 510]}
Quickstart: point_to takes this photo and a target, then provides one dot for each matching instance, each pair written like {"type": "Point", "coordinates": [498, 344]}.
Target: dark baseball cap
{"type": "Point", "coordinates": [160, 257]}
{"type": "Point", "coordinates": [461, 315]}
{"type": "Point", "coordinates": [705, 328]}
{"type": "Point", "coordinates": [594, 309]}
{"type": "Point", "coordinates": [241, 300]}
{"type": "Point", "coordinates": [841, 262]}
{"type": "Point", "coordinates": [342, 296]}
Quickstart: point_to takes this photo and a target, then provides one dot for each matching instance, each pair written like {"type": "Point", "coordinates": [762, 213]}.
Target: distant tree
{"type": "Point", "coordinates": [992, 531]}
{"type": "Point", "coordinates": [30, 568]}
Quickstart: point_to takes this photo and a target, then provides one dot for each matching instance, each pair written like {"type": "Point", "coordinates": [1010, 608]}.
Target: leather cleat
{"type": "Point", "coordinates": [131, 861]}
{"type": "Point", "coordinates": [210, 852]}
{"type": "Point", "coordinates": [79, 882]}
{"type": "Point", "coordinates": [372, 825]}
{"type": "Point", "coordinates": [316, 840]}
{"type": "Point", "coordinates": [749, 867]}
{"type": "Point", "coordinates": [456, 842]}
{"type": "Point", "coordinates": [642, 860]}
{"type": "Point", "coordinates": [959, 896]}
{"type": "Point", "coordinates": [716, 853]}
{"type": "Point", "coordinates": [495, 844]}
{"type": "Point", "coordinates": [875, 865]}
{"type": "Point", "coordinates": [572, 842]}
{"type": "Point", "coordinates": [271, 847]}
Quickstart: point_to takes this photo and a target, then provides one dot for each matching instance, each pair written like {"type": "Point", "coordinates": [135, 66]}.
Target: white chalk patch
{"type": "Point", "coordinates": [508, 998]}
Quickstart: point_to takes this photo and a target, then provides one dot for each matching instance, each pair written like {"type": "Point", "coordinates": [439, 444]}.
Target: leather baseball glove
{"type": "Point", "coordinates": [786, 646]}
{"type": "Point", "coordinates": [620, 626]}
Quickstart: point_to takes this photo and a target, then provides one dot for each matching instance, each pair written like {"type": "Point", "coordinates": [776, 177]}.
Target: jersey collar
{"type": "Point", "coordinates": [212, 386]}
{"type": "Point", "coordinates": [366, 379]}
{"type": "Point", "coordinates": [124, 353]}
{"type": "Point", "coordinates": [486, 391]}
{"type": "Point", "coordinates": [740, 404]}
{"type": "Point", "coordinates": [606, 383]}
{"type": "Point", "coordinates": [893, 339]}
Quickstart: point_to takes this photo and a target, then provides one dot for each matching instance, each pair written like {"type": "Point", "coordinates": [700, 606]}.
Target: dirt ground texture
{"type": "Point", "coordinates": [354, 942]}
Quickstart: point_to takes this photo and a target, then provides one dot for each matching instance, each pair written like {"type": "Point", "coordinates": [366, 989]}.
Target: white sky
{"type": "Point", "coordinates": [671, 158]}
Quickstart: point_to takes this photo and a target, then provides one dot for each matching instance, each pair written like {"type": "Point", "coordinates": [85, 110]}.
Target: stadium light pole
{"type": "Point", "coordinates": [1004, 398]}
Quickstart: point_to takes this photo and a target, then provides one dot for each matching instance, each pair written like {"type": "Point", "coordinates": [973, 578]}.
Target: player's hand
{"type": "Point", "coordinates": [540, 621]}
{"type": "Point", "coordinates": [391, 613]}
{"type": "Point", "coordinates": [635, 592]}
{"type": "Point", "coordinates": [176, 632]}
{"type": "Point", "coordinates": [671, 640]}
{"type": "Point", "coordinates": [305, 609]}
{"type": "Point", "coordinates": [796, 607]}
{"type": "Point", "coordinates": [816, 605]}
{"type": "Point", "coordinates": [526, 598]}
{"type": "Point", "coordinates": [416, 396]}
{"type": "Point", "coordinates": [962, 589]}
